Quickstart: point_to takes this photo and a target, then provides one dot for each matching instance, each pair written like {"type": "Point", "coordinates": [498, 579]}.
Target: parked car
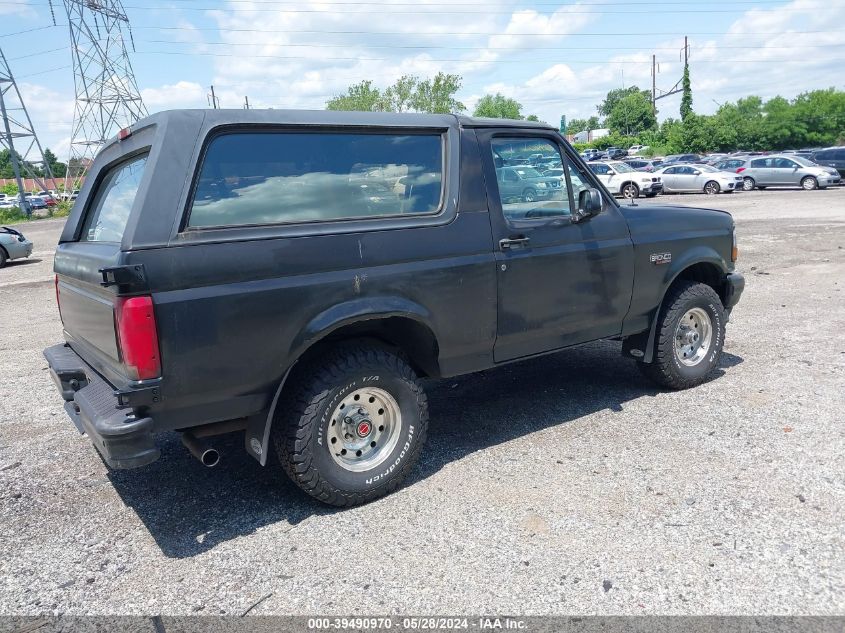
{"type": "Point", "coordinates": [37, 202]}
{"type": "Point", "coordinates": [615, 153]}
{"type": "Point", "coordinates": [623, 180]}
{"type": "Point", "coordinates": [306, 321]}
{"type": "Point", "coordinates": [636, 149]}
{"type": "Point", "coordinates": [524, 183]}
{"type": "Point", "coordinates": [831, 157]}
{"type": "Point", "coordinates": [787, 171]}
{"type": "Point", "coordinates": [697, 178]}
{"type": "Point", "coordinates": [729, 164]}
{"type": "Point", "coordinates": [682, 158]}
{"type": "Point", "coordinates": [13, 245]}
{"type": "Point", "coordinates": [48, 198]}
{"type": "Point", "coordinates": [642, 164]}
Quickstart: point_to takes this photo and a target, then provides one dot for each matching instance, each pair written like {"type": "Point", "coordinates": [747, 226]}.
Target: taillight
{"type": "Point", "coordinates": [58, 300]}
{"type": "Point", "coordinates": [138, 337]}
{"type": "Point", "coordinates": [734, 248]}
{"type": "Point", "coordinates": [740, 170]}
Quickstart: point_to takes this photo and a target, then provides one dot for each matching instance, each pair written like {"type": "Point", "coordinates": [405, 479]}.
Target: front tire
{"type": "Point", "coordinates": [690, 337]}
{"type": "Point", "coordinates": [353, 426]}
{"type": "Point", "coordinates": [711, 188]}
{"type": "Point", "coordinates": [748, 183]}
{"type": "Point", "coordinates": [529, 195]}
{"type": "Point", "coordinates": [630, 191]}
{"type": "Point", "coordinates": [809, 183]}
{"type": "Point", "coordinates": [3, 257]}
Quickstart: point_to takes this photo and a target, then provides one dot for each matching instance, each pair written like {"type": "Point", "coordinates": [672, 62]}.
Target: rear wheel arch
{"type": "Point", "coordinates": [413, 339]}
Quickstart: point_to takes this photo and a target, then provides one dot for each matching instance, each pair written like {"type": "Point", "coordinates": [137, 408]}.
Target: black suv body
{"type": "Point", "coordinates": [293, 275]}
{"type": "Point", "coordinates": [831, 157]}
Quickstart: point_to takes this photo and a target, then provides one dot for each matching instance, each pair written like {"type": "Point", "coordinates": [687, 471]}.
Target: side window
{"type": "Point", "coordinates": [254, 178]}
{"type": "Point", "coordinates": [758, 162]}
{"type": "Point", "coordinates": [107, 217]}
{"type": "Point", "coordinates": [838, 154]}
{"type": "Point", "coordinates": [785, 163]}
{"type": "Point", "coordinates": [599, 170]}
{"type": "Point", "coordinates": [532, 195]}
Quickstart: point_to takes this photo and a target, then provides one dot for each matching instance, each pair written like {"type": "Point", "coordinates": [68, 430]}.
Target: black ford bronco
{"type": "Point", "coordinates": [293, 276]}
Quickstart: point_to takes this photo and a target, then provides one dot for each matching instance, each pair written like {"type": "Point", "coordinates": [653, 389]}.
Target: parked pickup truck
{"type": "Point", "coordinates": [294, 275]}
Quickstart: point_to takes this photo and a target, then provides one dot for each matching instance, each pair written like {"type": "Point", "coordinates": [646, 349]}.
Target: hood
{"type": "Point", "coordinates": [650, 222]}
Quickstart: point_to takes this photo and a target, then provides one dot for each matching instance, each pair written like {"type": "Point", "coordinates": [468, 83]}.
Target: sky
{"type": "Point", "coordinates": [556, 58]}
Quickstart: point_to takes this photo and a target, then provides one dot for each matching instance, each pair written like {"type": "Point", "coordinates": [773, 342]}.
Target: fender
{"type": "Point", "coordinates": [257, 436]}
{"type": "Point", "coordinates": [700, 254]}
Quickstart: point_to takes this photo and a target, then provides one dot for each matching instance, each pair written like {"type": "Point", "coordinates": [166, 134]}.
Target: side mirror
{"type": "Point", "coordinates": [696, 173]}
{"type": "Point", "coordinates": [589, 204]}
{"type": "Point", "coordinates": [610, 172]}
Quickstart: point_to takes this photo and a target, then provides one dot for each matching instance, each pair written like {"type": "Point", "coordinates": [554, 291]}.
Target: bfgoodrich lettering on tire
{"type": "Point", "coordinates": [353, 425]}
{"type": "Point", "coordinates": [690, 337]}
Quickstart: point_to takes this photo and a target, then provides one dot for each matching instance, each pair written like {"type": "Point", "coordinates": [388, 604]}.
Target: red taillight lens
{"type": "Point", "coordinates": [740, 170]}
{"type": "Point", "coordinates": [58, 300]}
{"type": "Point", "coordinates": [138, 337]}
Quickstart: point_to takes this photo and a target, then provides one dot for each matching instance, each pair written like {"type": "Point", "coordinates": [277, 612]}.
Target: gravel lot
{"type": "Point", "coordinates": [561, 485]}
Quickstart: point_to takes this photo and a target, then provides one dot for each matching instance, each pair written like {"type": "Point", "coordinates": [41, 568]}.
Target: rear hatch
{"type": "Point", "coordinates": [91, 270]}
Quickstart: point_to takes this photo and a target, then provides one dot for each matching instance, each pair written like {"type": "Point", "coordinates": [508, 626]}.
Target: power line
{"type": "Point", "coordinates": [464, 60]}
{"type": "Point", "coordinates": [37, 28]}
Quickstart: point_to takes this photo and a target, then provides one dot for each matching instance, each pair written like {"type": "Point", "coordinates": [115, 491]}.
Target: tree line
{"type": "Point", "coordinates": [58, 168]}
{"type": "Point", "coordinates": [812, 119]}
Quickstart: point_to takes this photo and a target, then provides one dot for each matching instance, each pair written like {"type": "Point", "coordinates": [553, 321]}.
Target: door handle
{"type": "Point", "coordinates": [514, 242]}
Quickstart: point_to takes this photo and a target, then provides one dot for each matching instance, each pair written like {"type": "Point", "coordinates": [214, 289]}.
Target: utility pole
{"type": "Point", "coordinates": [18, 125]}
{"type": "Point", "coordinates": [214, 102]}
{"type": "Point", "coordinates": [246, 103]}
{"type": "Point", "coordinates": [107, 95]}
{"type": "Point", "coordinates": [655, 68]}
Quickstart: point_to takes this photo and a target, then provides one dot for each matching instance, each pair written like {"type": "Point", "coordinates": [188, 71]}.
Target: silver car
{"type": "Point", "coordinates": [782, 170]}
{"type": "Point", "coordinates": [698, 178]}
{"type": "Point", "coordinates": [13, 245]}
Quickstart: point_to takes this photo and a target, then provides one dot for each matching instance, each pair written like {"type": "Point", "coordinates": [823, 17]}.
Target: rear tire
{"type": "Point", "coordinates": [690, 337]}
{"type": "Point", "coordinates": [748, 183]}
{"type": "Point", "coordinates": [3, 257]}
{"type": "Point", "coordinates": [353, 426]}
{"type": "Point", "coordinates": [809, 183]}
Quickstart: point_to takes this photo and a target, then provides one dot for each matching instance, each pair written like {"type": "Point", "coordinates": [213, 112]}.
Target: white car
{"type": "Point", "coordinates": [623, 180]}
{"type": "Point", "coordinates": [698, 178]}
{"type": "Point", "coordinates": [636, 149]}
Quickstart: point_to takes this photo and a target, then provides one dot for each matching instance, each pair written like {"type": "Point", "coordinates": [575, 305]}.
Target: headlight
{"type": "Point", "coordinates": [541, 185]}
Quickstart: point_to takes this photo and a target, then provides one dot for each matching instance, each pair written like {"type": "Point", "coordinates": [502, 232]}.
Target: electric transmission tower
{"type": "Point", "coordinates": [28, 156]}
{"type": "Point", "coordinates": [107, 96]}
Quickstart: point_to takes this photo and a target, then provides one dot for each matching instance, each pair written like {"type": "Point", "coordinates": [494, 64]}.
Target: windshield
{"type": "Point", "coordinates": [528, 172]}
{"type": "Point", "coordinates": [803, 161]}
{"type": "Point", "coordinates": [622, 167]}
{"type": "Point", "coordinates": [707, 168]}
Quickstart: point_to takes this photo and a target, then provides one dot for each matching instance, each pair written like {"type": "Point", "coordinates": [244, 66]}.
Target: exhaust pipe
{"type": "Point", "coordinates": [202, 450]}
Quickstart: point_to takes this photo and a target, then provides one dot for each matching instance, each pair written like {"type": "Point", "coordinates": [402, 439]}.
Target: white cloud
{"type": "Point", "coordinates": [182, 94]}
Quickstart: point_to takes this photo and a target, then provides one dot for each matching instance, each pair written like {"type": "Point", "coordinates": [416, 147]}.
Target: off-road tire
{"type": "Point", "coordinates": [666, 369]}
{"type": "Point", "coordinates": [300, 430]}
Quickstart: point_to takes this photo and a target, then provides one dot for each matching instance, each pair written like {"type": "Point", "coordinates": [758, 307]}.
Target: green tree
{"type": "Point", "coordinates": [498, 106]}
{"type": "Point", "coordinates": [616, 95]}
{"type": "Point", "coordinates": [362, 97]}
{"type": "Point", "coordinates": [583, 125]}
{"type": "Point", "coordinates": [631, 115]}
{"type": "Point", "coordinates": [57, 168]}
{"type": "Point", "coordinates": [400, 96]}
{"type": "Point", "coordinates": [686, 99]}
{"type": "Point", "coordinates": [437, 95]}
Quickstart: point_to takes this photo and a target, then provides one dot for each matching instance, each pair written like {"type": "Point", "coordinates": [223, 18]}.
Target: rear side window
{"type": "Point", "coordinates": [107, 217]}
{"type": "Point", "coordinates": [254, 178]}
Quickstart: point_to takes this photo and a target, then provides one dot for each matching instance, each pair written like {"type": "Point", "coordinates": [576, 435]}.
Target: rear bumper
{"type": "Point", "coordinates": [124, 439]}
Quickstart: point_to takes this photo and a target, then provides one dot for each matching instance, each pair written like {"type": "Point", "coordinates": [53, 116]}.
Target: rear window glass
{"type": "Point", "coordinates": [106, 220]}
{"type": "Point", "coordinates": [250, 178]}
